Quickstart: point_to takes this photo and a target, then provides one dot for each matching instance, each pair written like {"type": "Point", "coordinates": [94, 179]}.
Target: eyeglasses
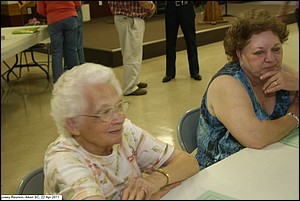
{"type": "Point", "coordinates": [106, 115]}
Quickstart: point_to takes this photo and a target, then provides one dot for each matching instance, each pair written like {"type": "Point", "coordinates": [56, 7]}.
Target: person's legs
{"type": "Point", "coordinates": [56, 36]}
{"type": "Point", "coordinates": [70, 42]}
{"type": "Point", "coordinates": [131, 35]}
{"type": "Point", "coordinates": [80, 49]}
{"type": "Point", "coordinates": [171, 30]}
{"type": "Point", "coordinates": [187, 24]}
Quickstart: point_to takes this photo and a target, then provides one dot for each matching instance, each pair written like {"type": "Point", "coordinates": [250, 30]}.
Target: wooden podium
{"type": "Point", "coordinates": [212, 13]}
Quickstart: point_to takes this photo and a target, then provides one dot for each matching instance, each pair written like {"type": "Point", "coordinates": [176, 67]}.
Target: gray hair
{"type": "Point", "coordinates": [67, 96]}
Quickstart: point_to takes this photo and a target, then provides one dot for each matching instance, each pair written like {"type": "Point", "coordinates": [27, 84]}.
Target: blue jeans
{"type": "Point", "coordinates": [80, 37]}
{"type": "Point", "coordinates": [80, 50]}
{"type": "Point", "coordinates": [63, 36]}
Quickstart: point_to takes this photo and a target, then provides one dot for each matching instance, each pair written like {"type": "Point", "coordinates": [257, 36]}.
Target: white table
{"type": "Point", "coordinates": [16, 43]}
{"type": "Point", "coordinates": [13, 44]}
{"type": "Point", "coordinates": [271, 173]}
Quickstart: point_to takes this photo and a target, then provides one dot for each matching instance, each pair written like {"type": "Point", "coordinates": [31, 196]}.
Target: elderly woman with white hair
{"type": "Point", "coordinates": [100, 154]}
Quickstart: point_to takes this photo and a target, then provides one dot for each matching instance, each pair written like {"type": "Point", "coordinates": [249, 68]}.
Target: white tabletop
{"type": "Point", "coordinates": [271, 173]}
{"type": "Point", "coordinates": [16, 43]}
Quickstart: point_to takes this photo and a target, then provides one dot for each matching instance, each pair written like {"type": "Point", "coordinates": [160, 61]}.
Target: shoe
{"type": "Point", "coordinates": [137, 92]}
{"type": "Point", "coordinates": [142, 85]}
{"type": "Point", "coordinates": [167, 78]}
{"type": "Point", "coordinates": [197, 77]}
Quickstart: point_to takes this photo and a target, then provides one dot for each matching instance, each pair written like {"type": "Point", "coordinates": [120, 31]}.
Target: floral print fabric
{"type": "Point", "coordinates": [76, 174]}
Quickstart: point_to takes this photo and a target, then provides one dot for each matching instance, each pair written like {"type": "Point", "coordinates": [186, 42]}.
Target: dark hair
{"type": "Point", "coordinates": [253, 21]}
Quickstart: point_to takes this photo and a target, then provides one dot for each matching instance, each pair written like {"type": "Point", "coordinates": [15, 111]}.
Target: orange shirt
{"type": "Point", "coordinates": [57, 10]}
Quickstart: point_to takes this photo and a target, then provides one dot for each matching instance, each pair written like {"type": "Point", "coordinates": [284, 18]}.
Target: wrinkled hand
{"type": "Point", "coordinates": [138, 189]}
{"type": "Point", "coordinates": [280, 80]}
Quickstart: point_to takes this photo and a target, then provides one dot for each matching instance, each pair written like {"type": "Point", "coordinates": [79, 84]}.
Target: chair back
{"type": "Point", "coordinates": [32, 183]}
{"type": "Point", "coordinates": [187, 128]}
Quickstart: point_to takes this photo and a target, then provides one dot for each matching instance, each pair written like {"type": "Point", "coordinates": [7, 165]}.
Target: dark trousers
{"type": "Point", "coordinates": [183, 16]}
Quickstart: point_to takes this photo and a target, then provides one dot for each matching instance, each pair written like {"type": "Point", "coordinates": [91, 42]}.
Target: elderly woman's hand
{"type": "Point", "coordinates": [138, 189]}
{"type": "Point", "coordinates": [280, 80]}
{"type": "Point", "coordinates": [141, 189]}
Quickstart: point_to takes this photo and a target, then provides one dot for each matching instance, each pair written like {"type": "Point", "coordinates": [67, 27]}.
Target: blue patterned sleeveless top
{"type": "Point", "coordinates": [214, 141]}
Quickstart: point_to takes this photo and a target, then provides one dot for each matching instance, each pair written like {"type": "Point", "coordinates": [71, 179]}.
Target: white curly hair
{"type": "Point", "coordinates": [67, 100]}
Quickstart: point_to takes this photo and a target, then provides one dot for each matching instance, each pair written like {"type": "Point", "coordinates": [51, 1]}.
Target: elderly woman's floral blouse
{"type": "Point", "coordinates": [76, 174]}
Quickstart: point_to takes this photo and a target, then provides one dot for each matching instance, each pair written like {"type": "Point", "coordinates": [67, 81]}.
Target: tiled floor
{"type": "Point", "coordinates": [27, 128]}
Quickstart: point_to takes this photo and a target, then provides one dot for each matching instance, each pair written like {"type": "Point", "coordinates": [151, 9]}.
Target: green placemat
{"type": "Point", "coordinates": [212, 195]}
{"type": "Point", "coordinates": [292, 139]}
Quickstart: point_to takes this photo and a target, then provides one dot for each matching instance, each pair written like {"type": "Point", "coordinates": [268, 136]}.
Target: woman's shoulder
{"type": "Point", "coordinates": [131, 132]}
{"type": "Point", "coordinates": [63, 146]}
{"type": "Point", "coordinates": [230, 68]}
{"type": "Point", "coordinates": [227, 72]}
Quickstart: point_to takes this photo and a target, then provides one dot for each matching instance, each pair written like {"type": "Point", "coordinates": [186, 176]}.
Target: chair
{"type": "Point", "coordinates": [32, 183]}
{"type": "Point", "coordinates": [187, 128]}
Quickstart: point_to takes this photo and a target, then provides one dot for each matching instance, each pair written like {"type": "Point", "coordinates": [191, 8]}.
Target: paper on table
{"type": "Point", "coordinates": [212, 195]}
{"type": "Point", "coordinates": [27, 30]}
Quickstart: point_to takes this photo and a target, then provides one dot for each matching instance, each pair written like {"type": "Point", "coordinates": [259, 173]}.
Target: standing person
{"type": "Point", "coordinates": [253, 100]}
{"type": "Point", "coordinates": [62, 27]}
{"type": "Point", "coordinates": [100, 154]}
{"type": "Point", "coordinates": [129, 18]}
{"type": "Point", "coordinates": [80, 49]}
{"type": "Point", "coordinates": [180, 13]}
{"type": "Point", "coordinates": [283, 11]}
